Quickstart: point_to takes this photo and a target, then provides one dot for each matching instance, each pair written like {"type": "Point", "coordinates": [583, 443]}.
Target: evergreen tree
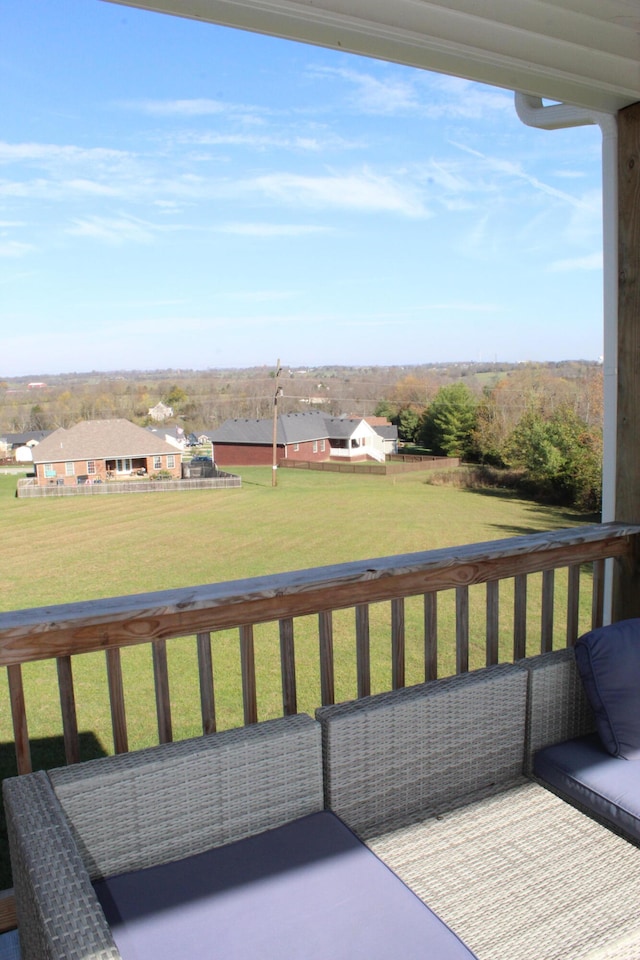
{"type": "Point", "coordinates": [448, 425]}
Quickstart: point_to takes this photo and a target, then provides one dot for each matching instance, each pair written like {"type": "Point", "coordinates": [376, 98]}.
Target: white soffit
{"type": "Point", "coordinates": [585, 52]}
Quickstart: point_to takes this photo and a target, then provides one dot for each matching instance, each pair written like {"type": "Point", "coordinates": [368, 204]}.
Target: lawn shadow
{"type": "Point", "coordinates": [548, 516]}
{"type": "Point", "coordinates": [46, 753]}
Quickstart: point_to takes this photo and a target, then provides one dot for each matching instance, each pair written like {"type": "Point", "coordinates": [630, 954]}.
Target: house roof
{"type": "Point", "coordinates": [97, 439]}
{"type": "Point", "coordinates": [292, 428]}
{"type": "Point", "coordinates": [388, 431]}
{"type": "Point", "coordinates": [584, 52]}
{"type": "Point", "coordinates": [18, 439]}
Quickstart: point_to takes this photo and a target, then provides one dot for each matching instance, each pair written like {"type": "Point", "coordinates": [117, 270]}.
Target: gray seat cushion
{"type": "Point", "coordinates": [583, 771]}
{"type": "Point", "coordinates": [307, 889]}
{"type": "Point", "coordinates": [608, 661]}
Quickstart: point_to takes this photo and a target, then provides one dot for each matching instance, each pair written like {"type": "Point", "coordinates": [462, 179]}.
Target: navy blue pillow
{"type": "Point", "coordinates": [608, 661]}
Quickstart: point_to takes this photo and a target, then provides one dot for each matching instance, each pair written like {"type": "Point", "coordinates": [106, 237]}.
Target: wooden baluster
{"type": "Point", "coordinates": [430, 636]}
{"type": "Point", "coordinates": [116, 701]}
{"type": "Point", "coordinates": [19, 718]}
{"type": "Point", "coordinates": [248, 667]}
{"type": "Point", "coordinates": [288, 667]}
{"type": "Point", "coordinates": [462, 629]}
{"type": "Point", "coordinates": [327, 667]}
{"type": "Point", "coordinates": [597, 596]}
{"type": "Point", "coordinates": [398, 644]}
{"type": "Point", "coordinates": [546, 631]}
{"type": "Point", "coordinates": [493, 622]}
{"type": "Point", "coordinates": [573, 600]}
{"type": "Point", "coordinates": [68, 708]}
{"type": "Point", "coordinates": [161, 681]}
{"type": "Point", "coordinates": [205, 675]}
{"type": "Point", "coordinates": [520, 617]}
{"type": "Point", "coordinates": [363, 650]}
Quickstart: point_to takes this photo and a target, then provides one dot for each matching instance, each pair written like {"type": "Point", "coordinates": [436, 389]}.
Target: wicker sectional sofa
{"type": "Point", "coordinates": [435, 779]}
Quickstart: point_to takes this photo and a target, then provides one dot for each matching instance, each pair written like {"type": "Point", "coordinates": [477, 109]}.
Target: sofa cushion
{"type": "Point", "coordinates": [608, 660]}
{"type": "Point", "coordinates": [307, 889]}
{"type": "Point", "coordinates": [584, 772]}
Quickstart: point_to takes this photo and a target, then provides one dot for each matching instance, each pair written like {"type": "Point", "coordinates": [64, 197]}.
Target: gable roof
{"type": "Point", "coordinates": [584, 52]}
{"type": "Point", "coordinates": [97, 439]}
{"type": "Point", "coordinates": [292, 428]}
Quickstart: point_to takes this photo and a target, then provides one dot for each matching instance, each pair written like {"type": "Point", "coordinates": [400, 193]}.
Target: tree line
{"type": "Point", "coordinates": [540, 433]}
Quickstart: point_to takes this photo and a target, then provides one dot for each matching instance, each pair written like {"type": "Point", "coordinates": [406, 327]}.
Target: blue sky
{"type": "Point", "coordinates": [177, 194]}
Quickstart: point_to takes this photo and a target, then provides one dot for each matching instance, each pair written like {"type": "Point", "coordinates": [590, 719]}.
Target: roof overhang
{"type": "Point", "coordinates": [585, 52]}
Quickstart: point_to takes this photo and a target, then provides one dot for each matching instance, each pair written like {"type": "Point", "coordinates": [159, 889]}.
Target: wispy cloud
{"type": "Point", "coordinates": [14, 248]}
{"type": "Point", "coordinates": [593, 261]}
{"type": "Point", "coordinates": [364, 191]}
{"type": "Point", "coordinates": [432, 97]}
{"type": "Point", "coordinates": [49, 152]}
{"type": "Point", "coordinates": [184, 108]}
{"type": "Point", "coordinates": [114, 230]}
{"type": "Point", "coordinates": [271, 229]}
{"type": "Point", "coordinates": [516, 171]}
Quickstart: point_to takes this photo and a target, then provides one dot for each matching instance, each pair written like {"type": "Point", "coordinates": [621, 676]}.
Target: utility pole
{"type": "Point", "coordinates": [274, 449]}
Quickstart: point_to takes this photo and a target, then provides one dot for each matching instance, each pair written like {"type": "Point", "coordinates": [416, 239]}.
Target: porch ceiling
{"type": "Point", "coordinates": [585, 52]}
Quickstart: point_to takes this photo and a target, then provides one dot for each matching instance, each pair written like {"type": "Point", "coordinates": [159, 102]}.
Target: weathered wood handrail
{"type": "Point", "coordinates": [40, 633]}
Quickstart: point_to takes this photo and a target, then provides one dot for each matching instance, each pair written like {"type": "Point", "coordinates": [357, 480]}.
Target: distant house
{"type": "Point", "coordinates": [99, 450]}
{"type": "Point", "coordinates": [20, 445]}
{"type": "Point", "coordinates": [387, 431]}
{"type": "Point", "coordinates": [173, 435]}
{"type": "Point", "coordinates": [299, 436]}
{"type": "Point", "coordinates": [160, 412]}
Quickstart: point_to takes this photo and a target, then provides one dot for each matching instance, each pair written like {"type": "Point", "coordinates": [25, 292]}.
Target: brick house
{"type": "Point", "coordinates": [100, 450]}
{"type": "Point", "coordinates": [300, 436]}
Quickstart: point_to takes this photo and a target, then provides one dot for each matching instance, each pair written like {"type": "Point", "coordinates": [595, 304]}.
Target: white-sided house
{"type": "Point", "coordinates": [95, 451]}
{"type": "Point", "coordinates": [354, 440]}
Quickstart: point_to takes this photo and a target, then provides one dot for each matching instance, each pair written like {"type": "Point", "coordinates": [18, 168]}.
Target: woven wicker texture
{"type": "Point", "coordinates": [58, 913]}
{"type": "Point", "coordinates": [557, 705]}
{"type": "Point", "coordinates": [149, 807]}
{"type": "Point", "coordinates": [415, 751]}
{"type": "Point", "coordinates": [524, 876]}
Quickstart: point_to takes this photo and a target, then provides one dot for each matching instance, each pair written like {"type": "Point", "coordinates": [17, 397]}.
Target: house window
{"type": "Point", "coordinates": [157, 463]}
{"type": "Point", "coordinates": [91, 466]}
{"type": "Point", "coordinates": [49, 470]}
{"type": "Point", "coordinates": [322, 447]}
{"type": "Point", "coordinates": [296, 447]}
{"type": "Point", "coordinates": [171, 461]}
{"type": "Point", "coordinates": [315, 446]}
{"type": "Point", "coordinates": [70, 469]}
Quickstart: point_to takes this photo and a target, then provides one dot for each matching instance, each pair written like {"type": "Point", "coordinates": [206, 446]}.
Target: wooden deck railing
{"type": "Point", "coordinates": [61, 632]}
{"type": "Point", "coordinates": [568, 567]}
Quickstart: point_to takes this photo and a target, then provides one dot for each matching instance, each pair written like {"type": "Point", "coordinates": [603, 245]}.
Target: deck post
{"type": "Point", "coordinates": [626, 577]}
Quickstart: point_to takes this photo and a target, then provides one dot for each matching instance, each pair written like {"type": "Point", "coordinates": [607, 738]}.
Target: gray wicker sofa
{"type": "Point", "coordinates": [435, 780]}
{"type": "Point", "coordinates": [213, 847]}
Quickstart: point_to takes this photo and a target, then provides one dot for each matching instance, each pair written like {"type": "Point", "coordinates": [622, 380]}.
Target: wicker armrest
{"type": "Point", "coordinates": [59, 915]}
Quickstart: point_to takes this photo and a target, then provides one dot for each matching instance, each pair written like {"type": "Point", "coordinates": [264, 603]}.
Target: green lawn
{"type": "Point", "coordinates": [66, 549]}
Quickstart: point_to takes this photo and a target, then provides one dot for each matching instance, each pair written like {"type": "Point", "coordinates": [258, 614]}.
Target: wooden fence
{"type": "Point", "coordinates": [388, 468]}
{"type": "Point", "coordinates": [28, 488]}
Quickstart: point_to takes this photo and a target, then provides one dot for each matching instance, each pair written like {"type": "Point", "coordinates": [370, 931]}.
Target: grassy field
{"type": "Point", "coordinates": [67, 549]}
